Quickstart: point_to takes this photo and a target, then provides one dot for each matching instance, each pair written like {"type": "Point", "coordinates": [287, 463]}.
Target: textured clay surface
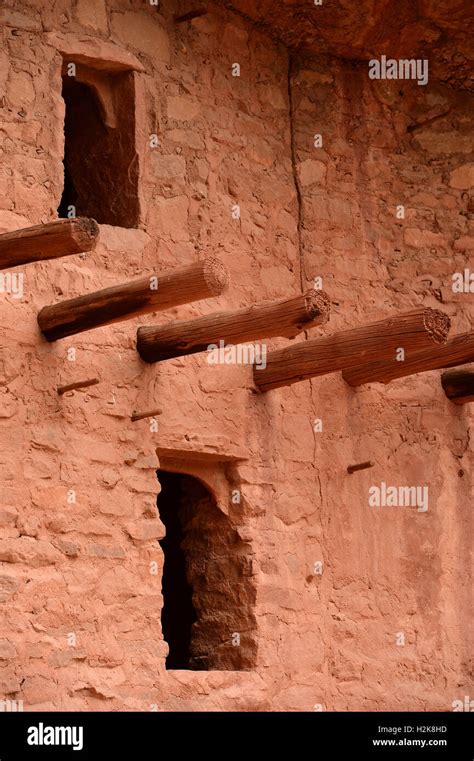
{"type": "Point", "coordinates": [319, 585]}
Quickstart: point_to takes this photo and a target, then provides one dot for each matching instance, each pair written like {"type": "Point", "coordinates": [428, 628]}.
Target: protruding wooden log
{"type": "Point", "coordinates": [79, 384]}
{"type": "Point", "coordinates": [360, 466]}
{"type": "Point", "coordinates": [457, 351]}
{"type": "Point", "coordinates": [459, 385]}
{"type": "Point", "coordinates": [52, 240]}
{"type": "Point", "coordinates": [141, 415]}
{"type": "Point", "coordinates": [122, 302]}
{"type": "Point", "coordinates": [286, 317]}
{"type": "Point", "coordinates": [413, 331]}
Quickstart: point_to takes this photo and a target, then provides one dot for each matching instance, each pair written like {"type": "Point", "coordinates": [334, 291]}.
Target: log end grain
{"type": "Point", "coordinates": [437, 325]}
{"type": "Point", "coordinates": [318, 306]}
{"type": "Point", "coordinates": [215, 275]}
{"type": "Point", "coordinates": [87, 232]}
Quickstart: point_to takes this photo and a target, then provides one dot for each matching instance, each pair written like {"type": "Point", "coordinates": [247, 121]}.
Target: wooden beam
{"type": "Point", "coordinates": [413, 331]}
{"type": "Point", "coordinates": [459, 385]}
{"type": "Point", "coordinates": [122, 302]}
{"type": "Point", "coordinates": [141, 415]}
{"type": "Point", "coordinates": [79, 384]}
{"type": "Point", "coordinates": [63, 237]}
{"type": "Point", "coordinates": [360, 466]}
{"type": "Point", "coordinates": [457, 351]}
{"type": "Point", "coordinates": [286, 317]}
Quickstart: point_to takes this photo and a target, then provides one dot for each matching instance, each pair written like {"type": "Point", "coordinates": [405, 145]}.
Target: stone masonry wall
{"type": "Point", "coordinates": [395, 570]}
{"type": "Point", "coordinates": [80, 579]}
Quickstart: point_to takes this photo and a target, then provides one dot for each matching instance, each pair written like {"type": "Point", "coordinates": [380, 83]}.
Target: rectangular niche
{"type": "Point", "coordinates": [101, 168]}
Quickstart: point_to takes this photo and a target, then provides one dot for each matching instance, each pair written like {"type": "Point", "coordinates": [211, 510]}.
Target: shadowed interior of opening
{"type": "Point", "coordinates": [100, 163]}
{"type": "Point", "coordinates": [208, 585]}
{"type": "Point", "coordinates": [178, 614]}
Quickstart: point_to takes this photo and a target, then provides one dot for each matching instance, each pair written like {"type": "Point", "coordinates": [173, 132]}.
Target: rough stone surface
{"type": "Point", "coordinates": [92, 14]}
{"type": "Point", "coordinates": [79, 530]}
{"type": "Point", "coordinates": [442, 32]}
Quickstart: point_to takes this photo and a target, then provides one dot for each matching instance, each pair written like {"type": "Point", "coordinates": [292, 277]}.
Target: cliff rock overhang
{"type": "Point", "coordinates": [440, 31]}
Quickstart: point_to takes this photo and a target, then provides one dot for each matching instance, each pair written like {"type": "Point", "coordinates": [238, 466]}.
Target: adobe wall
{"type": "Point", "coordinates": [394, 570]}
{"type": "Point", "coordinates": [84, 567]}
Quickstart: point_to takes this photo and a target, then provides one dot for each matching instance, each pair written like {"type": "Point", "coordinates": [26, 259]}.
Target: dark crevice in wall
{"type": "Point", "coordinates": [260, 26]}
{"type": "Point", "coordinates": [178, 613]}
{"type": "Point", "coordinates": [292, 67]}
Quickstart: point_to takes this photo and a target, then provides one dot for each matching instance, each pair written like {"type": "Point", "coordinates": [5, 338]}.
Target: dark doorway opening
{"type": "Point", "coordinates": [208, 587]}
{"type": "Point", "coordinates": [100, 163]}
{"type": "Point", "coordinates": [178, 614]}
